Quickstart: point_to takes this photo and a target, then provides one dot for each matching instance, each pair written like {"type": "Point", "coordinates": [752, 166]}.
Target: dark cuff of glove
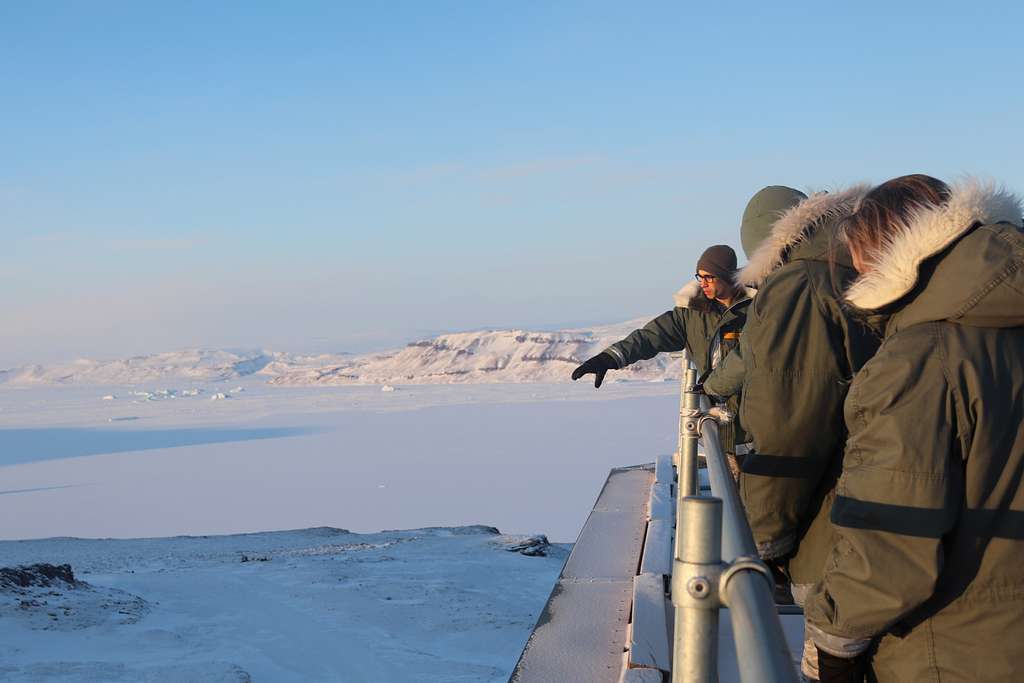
{"type": "Point", "coordinates": [832, 669]}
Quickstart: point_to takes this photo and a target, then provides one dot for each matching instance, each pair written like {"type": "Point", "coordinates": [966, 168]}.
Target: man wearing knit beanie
{"type": "Point", "coordinates": [707, 319]}
{"type": "Point", "coordinates": [718, 262]}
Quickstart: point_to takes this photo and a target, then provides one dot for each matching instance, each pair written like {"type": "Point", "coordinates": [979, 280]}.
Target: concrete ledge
{"type": "Point", "coordinates": [661, 505]}
{"type": "Point", "coordinates": [657, 557]}
{"type": "Point", "coordinates": [641, 676]}
{"type": "Point", "coordinates": [664, 473]}
{"type": "Point", "coordinates": [582, 633]}
{"type": "Point", "coordinates": [649, 646]}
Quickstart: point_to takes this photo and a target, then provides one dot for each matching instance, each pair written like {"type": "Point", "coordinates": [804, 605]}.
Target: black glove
{"type": "Point", "coordinates": [599, 365]}
{"type": "Point", "coordinates": [832, 669]}
{"type": "Point", "coordinates": [698, 388]}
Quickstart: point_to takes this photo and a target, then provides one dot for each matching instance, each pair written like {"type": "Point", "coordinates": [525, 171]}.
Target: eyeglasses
{"type": "Point", "coordinates": [705, 279]}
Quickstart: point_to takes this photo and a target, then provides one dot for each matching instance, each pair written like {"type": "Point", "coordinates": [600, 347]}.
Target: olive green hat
{"type": "Point", "coordinates": [763, 209]}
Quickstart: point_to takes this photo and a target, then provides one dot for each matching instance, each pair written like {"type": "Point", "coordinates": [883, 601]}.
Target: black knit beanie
{"type": "Point", "coordinates": [719, 260]}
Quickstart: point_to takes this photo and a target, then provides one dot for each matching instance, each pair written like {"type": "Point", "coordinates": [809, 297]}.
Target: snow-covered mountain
{"type": "Point", "coordinates": [493, 356]}
{"type": "Point", "coordinates": [197, 365]}
{"type": "Point", "coordinates": [478, 357]}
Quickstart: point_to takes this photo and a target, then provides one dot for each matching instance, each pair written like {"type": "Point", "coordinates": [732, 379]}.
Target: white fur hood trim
{"type": "Point", "coordinates": [795, 226]}
{"type": "Point", "coordinates": [691, 290]}
{"type": "Point", "coordinates": [927, 232]}
{"type": "Point", "coordinates": [686, 294]}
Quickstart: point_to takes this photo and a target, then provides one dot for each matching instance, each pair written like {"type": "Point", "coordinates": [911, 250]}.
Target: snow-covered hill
{"type": "Point", "coordinates": [197, 365]}
{"type": "Point", "coordinates": [478, 357]}
{"type": "Point", "coordinates": [501, 356]}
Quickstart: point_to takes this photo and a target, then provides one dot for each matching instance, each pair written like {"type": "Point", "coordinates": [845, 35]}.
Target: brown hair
{"type": "Point", "coordinates": [885, 208]}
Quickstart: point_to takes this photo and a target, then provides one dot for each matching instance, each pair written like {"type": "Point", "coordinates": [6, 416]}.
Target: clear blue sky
{"type": "Point", "coordinates": [350, 176]}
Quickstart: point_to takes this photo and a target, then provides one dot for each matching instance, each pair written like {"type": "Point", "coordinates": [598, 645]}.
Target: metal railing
{"type": "Point", "coordinates": [716, 565]}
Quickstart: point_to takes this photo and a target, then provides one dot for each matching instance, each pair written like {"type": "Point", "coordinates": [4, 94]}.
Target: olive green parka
{"type": "Point", "coordinates": [929, 513]}
{"type": "Point", "coordinates": [727, 378]}
{"type": "Point", "coordinates": [799, 350]}
{"type": "Point", "coordinates": [708, 330]}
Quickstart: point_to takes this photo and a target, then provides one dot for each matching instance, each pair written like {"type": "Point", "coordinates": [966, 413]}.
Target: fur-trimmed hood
{"type": "Point", "coordinates": [981, 260]}
{"type": "Point", "coordinates": [797, 226]}
{"type": "Point", "coordinates": [690, 295]}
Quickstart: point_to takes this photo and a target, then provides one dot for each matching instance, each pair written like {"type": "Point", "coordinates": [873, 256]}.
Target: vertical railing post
{"type": "Point", "coordinates": [695, 578]}
{"type": "Point", "coordinates": [684, 387]}
{"type": "Point", "coordinates": [687, 483]}
{"type": "Point", "coordinates": [689, 417]}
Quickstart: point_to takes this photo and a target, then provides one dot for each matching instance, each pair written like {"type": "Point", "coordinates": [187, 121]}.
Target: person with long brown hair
{"type": "Point", "coordinates": [926, 580]}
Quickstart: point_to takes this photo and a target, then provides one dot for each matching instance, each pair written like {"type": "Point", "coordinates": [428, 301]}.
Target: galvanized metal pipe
{"type": "Point", "coordinates": [684, 361]}
{"type": "Point", "coordinates": [677, 459]}
{"type": "Point", "coordinates": [687, 483]}
{"type": "Point", "coordinates": [695, 591]}
{"type": "Point", "coordinates": [761, 648]}
{"type": "Point", "coordinates": [689, 415]}
{"type": "Point", "coordinates": [737, 540]}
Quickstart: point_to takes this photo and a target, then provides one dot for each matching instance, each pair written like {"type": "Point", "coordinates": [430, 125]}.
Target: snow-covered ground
{"type": "Point", "coordinates": [314, 605]}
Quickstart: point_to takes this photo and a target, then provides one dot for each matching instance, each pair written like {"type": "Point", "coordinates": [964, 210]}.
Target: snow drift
{"type": "Point", "coordinates": [321, 604]}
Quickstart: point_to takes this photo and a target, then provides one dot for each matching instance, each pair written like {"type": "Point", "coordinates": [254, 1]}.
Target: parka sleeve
{"type": "Point", "coordinates": [667, 332]}
{"type": "Point", "coordinates": [900, 492]}
{"type": "Point", "coordinates": [727, 378]}
{"type": "Point", "coordinates": [796, 380]}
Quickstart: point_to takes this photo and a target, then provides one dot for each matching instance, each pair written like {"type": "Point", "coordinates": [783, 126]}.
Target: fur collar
{"type": "Point", "coordinates": [690, 295]}
{"type": "Point", "coordinates": [795, 226]}
{"type": "Point", "coordinates": [925, 234]}
{"type": "Point", "coordinates": [687, 293]}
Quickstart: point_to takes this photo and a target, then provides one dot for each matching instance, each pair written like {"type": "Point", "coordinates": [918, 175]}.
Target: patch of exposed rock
{"type": "Point", "coordinates": [38, 575]}
{"type": "Point", "coordinates": [531, 546]}
{"type": "Point", "coordinates": [48, 597]}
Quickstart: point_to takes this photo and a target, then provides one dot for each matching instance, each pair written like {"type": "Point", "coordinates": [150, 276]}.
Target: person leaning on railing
{"type": "Point", "coordinates": [927, 576]}
{"type": "Point", "coordinates": [707, 320]}
{"type": "Point", "coordinates": [799, 351]}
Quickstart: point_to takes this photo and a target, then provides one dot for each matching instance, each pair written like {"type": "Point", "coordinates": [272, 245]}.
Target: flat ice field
{"type": "Point", "coordinates": [161, 461]}
{"type": "Point", "coordinates": [319, 604]}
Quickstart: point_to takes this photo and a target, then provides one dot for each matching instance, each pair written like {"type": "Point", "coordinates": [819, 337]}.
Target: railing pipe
{"type": "Point", "coordinates": [737, 540]}
{"type": "Point", "coordinates": [761, 649]}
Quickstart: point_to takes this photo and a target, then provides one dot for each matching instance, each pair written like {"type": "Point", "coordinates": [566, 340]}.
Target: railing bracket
{"type": "Point", "coordinates": [743, 563]}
